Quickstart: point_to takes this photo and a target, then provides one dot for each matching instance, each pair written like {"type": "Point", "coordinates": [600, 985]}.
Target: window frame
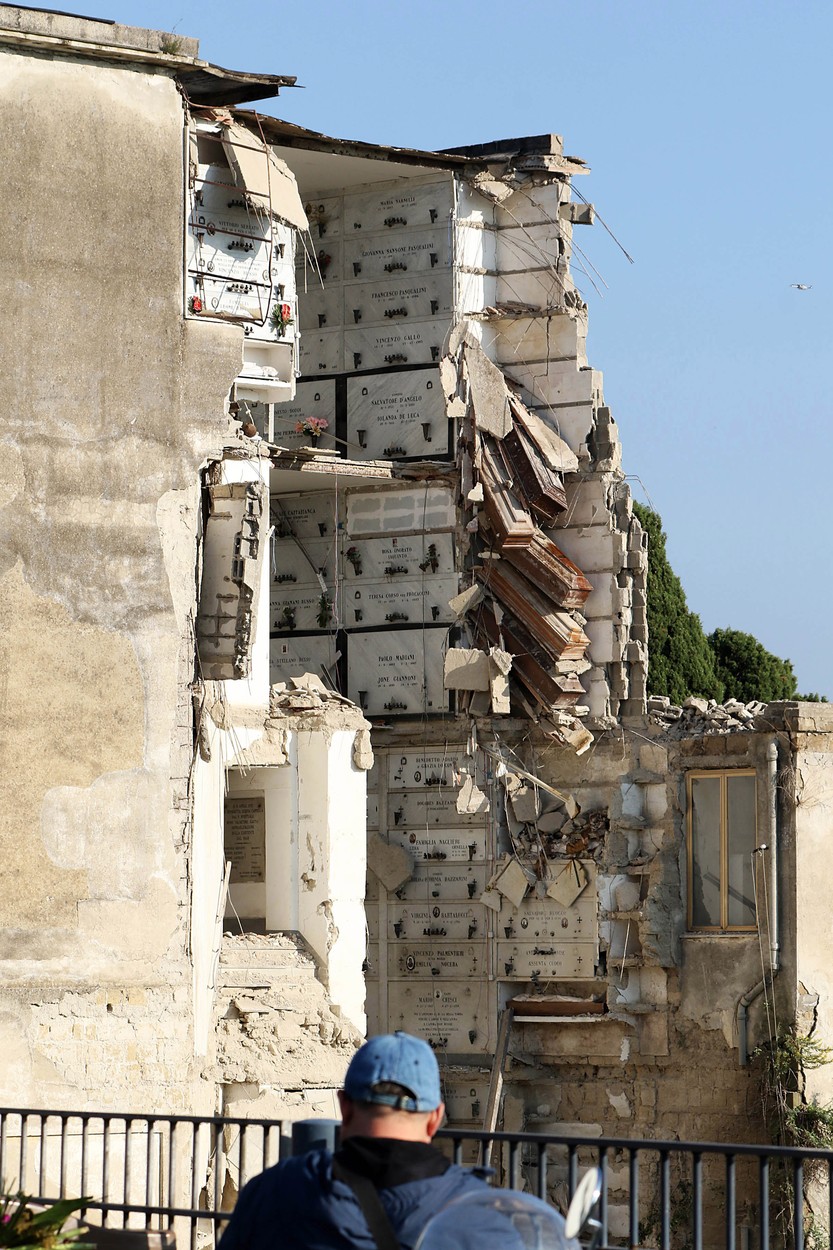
{"type": "Point", "coordinates": [723, 775]}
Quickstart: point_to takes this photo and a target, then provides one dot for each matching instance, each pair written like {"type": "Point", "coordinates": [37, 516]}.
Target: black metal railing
{"type": "Point", "coordinates": [160, 1172]}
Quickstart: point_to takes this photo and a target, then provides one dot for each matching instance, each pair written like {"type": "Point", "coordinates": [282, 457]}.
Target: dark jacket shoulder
{"type": "Point", "coordinates": [298, 1205]}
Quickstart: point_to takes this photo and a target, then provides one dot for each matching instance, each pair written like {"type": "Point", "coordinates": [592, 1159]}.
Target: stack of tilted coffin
{"type": "Point", "coordinates": [530, 594]}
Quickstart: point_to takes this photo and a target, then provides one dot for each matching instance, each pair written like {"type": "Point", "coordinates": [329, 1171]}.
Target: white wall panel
{"type": "Point", "coordinates": [417, 509]}
{"type": "Point", "coordinates": [431, 883]}
{"type": "Point", "coordinates": [436, 921]}
{"type": "Point", "coordinates": [406, 205]}
{"type": "Point", "coordinates": [456, 1016]}
{"type": "Point", "coordinates": [308, 515]}
{"type": "Point", "coordinates": [523, 961]}
{"type": "Point", "coordinates": [399, 671]}
{"type": "Point", "coordinates": [449, 960]}
{"type": "Point", "coordinates": [321, 351]}
{"type": "Point", "coordinates": [427, 807]}
{"type": "Point", "coordinates": [399, 556]}
{"type": "Point", "coordinates": [299, 563]}
{"type": "Point", "coordinates": [397, 343]}
{"type": "Point", "coordinates": [312, 399]}
{"type": "Point", "coordinates": [441, 845]}
{"type": "Point", "coordinates": [298, 608]}
{"type": "Point", "coordinates": [408, 769]}
{"type": "Point", "coordinates": [291, 656]}
{"type": "Point", "coordinates": [399, 299]}
{"type": "Point", "coordinates": [398, 601]}
{"type": "Point", "coordinates": [376, 257]}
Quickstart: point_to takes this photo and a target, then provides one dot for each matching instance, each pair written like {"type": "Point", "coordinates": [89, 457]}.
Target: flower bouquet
{"type": "Point", "coordinates": [314, 427]}
{"type": "Point", "coordinates": [279, 318]}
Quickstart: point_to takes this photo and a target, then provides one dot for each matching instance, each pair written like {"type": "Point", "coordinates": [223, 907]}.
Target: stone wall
{"type": "Point", "coordinates": [113, 404]}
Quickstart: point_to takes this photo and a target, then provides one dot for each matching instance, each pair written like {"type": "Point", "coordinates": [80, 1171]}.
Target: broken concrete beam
{"type": "Point", "coordinates": [513, 883]}
{"type": "Point", "coordinates": [499, 693]}
{"type": "Point", "coordinates": [466, 670]}
{"type": "Point", "coordinates": [489, 393]}
{"type": "Point", "coordinates": [501, 665]}
{"type": "Point", "coordinates": [466, 600]}
{"type": "Point", "coordinates": [479, 703]}
{"type": "Point", "coordinates": [470, 799]}
{"type": "Point", "coordinates": [523, 798]}
{"type": "Point", "coordinates": [362, 750]}
{"type": "Point", "coordinates": [309, 681]}
{"type": "Point", "coordinates": [448, 376]}
{"type": "Point", "coordinates": [568, 884]}
{"type": "Point", "coordinates": [390, 863]}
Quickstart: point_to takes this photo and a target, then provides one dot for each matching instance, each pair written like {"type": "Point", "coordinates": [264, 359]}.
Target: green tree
{"type": "Point", "coordinates": [748, 671]}
{"type": "Point", "coordinates": [680, 660]}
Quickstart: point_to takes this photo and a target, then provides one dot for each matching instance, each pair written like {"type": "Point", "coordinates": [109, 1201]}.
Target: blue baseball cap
{"type": "Point", "coordinates": [402, 1060]}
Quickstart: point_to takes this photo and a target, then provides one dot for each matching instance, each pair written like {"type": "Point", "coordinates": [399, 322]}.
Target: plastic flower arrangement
{"type": "Point", "coordinates": [23, 1224]}
{"type": "Point", "coordinates": [280, 318]}
{"type": "Point", "coordinates": [313, 426]}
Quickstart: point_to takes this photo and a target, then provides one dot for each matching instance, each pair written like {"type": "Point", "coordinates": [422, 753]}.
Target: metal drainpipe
{"type": "Point", "coordinates": [775, 944]}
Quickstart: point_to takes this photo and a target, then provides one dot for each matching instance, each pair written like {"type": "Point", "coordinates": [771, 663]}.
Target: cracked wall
{"type": "Point", "coordinates": [106, 427]}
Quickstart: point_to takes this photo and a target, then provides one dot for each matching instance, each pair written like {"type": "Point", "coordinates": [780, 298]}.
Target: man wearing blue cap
{"type": "Point", "coordinates": [384, 1182]}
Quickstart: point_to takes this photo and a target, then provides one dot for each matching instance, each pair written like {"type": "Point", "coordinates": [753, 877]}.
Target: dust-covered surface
{"type": "Point", "coordinates": [276, 1029]}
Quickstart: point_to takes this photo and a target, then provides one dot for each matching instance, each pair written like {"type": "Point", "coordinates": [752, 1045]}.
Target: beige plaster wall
{"type": "Point", "coordinates": [112, 404]}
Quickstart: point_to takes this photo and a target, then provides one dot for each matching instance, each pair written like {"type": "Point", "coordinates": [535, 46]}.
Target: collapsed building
{"type": "Point", "coordinates": [325, 641]}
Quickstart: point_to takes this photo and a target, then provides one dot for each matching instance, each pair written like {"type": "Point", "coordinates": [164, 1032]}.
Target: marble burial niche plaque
{"type": "Point", "coordinates": [244, 837]}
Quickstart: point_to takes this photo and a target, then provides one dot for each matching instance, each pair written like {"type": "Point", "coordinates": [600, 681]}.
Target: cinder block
{"type": "Point", "coordinates": [466, 670]}
{"type": "Point", "coordinates": [653, 757]}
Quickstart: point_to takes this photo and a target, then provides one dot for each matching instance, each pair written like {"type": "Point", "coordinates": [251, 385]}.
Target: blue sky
{"type": "Point", "coordinates": [707, 128]}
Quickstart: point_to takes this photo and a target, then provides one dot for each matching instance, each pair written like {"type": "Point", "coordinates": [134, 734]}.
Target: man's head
{"type": "Point", "coordinates": [392, 1089]}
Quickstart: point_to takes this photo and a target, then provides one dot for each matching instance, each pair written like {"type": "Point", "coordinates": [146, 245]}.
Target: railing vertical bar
{"type": "Point", "coordinates": [3, 1131]}
{"type": "Point", "coordinates": [149, 1169]}
{"type": "Point", "coordinates": [219, 1163]}
{"type": "Point", "coordinates": [85, 1126]}
{"type": "Point", "coordinates": [43, 1137]}
{"type": "Point", "coordinates": [105, 1167]}
{"type": "Point", "coordinates": [731, 1202]}
{"type": "Point", "coordinates": [242, 1153]}
{"type": "Point", "coordinates": [633, 1199]}
{"type": "Point", "coordinates": [665, 1200]}
{"type": "Point", "coordinates": [171, 1191]}
{"type": "Point", "coordinates": [763, 1201]}
{"type": "Point", "coordinates": [127, 1177]}
{"type": "Point", "coordinates": [697, 1201]}
{"type": "Point", "coordinates": [514, 1164]}
{"type": "Point", "coordinates": [24, 1151]}
{"type": "Point", "coordinates": [829, 1196]}
{"type": "Point", "coordinates": [798, 1204]}
{"type": "Point", "coordinates": [603, 1166]}
{"type": "Point", "coordinates": [195, 1141]}
{"type": "Point", "coordinates": [457, 1150]}
{"type": "Point", "coordinates": [572, 1171]}
{"type": "Point", "coordinates": [63, 1161]}
{"type": "Point", "coordinates": [542, 1170]}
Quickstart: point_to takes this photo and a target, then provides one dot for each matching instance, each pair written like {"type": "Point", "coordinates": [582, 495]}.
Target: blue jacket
{"type": "Point", "coordinates": [298, 1205]}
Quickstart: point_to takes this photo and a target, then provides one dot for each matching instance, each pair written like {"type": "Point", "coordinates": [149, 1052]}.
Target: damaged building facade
{"type": "Point", "coordinates": [319, 557]}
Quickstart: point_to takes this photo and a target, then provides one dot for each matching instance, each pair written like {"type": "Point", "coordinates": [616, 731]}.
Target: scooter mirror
{"type": "Point", "coordinates": [584, 1202]}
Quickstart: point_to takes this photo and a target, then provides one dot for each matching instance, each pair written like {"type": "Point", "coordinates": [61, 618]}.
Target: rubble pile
{"type": "Point", "coordinates": [697, 716]}
{"type": "Point", "coordinates": [275, 1026]}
